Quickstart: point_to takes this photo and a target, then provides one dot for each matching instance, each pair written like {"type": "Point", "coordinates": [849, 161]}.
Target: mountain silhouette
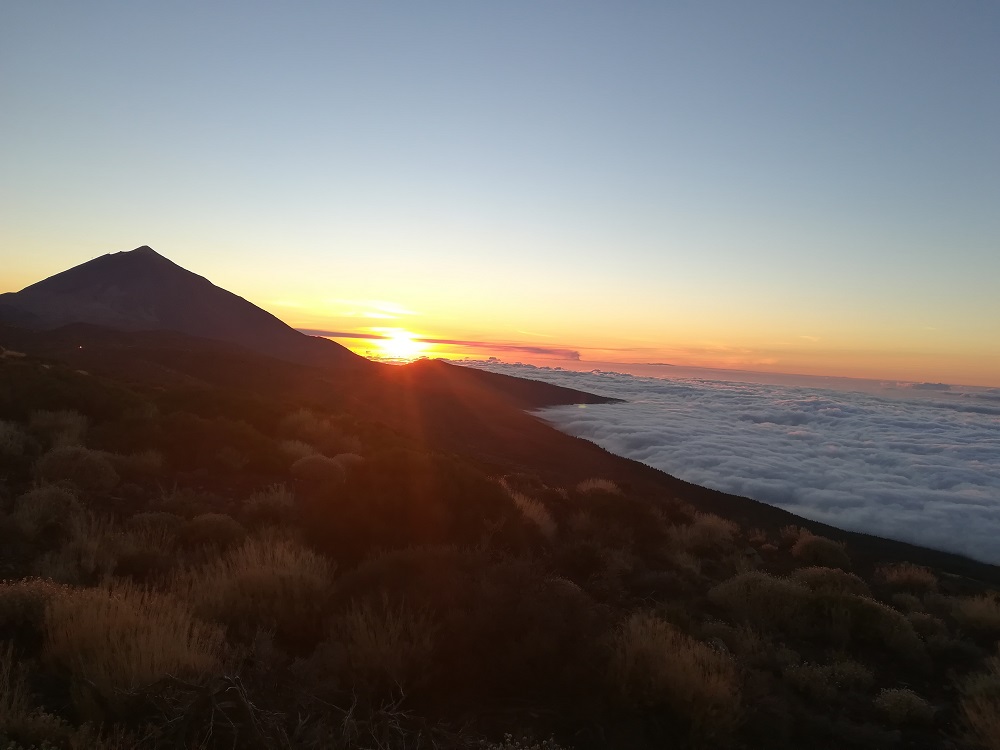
{"type": "Point", "coordinates": [140, 290]}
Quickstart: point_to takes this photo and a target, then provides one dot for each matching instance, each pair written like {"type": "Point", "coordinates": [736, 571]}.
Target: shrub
{"type": "Point", "coordinates": [906, 602]}
{"type": "Point", "coordinates": [138, 466]}
{"type": "Point", "coordinates": [271, 582]}
{"type": "Point", "coordinates": [822, 682]}
{"type": "Point", "coordinates": [980, 614]}
{"type": "Point", "coordinates": [59, 428]}
{"type": "Point", "coordinates": [19, 718]}
{"type": "Point", "coordinates": [981, 706]}
{"type": "Point", "coordinates": [915, 579]}
{"type": "Point", "coordinates": [655, 664]}
{"type": "Point", "coordinates": [789, 607]}
{"type": "Point", "coordinates": [213, 529]}
{"type": "Point", "coordinates": [12, 439]}
{"type": "Point", "coordinates": [706, 534]}
{"type": "Point", "coordinates": [273, 504]}
{"type": "Point", "coordinates": [901, 706]}
{"type": "Point", "coordinates": [927, 626]}
{"type": "Point", "coordinates": [818, 550]}
{"type": "Point", "coordinates": [523, 743]}
{"type": "Point", "coordinates": [23, 602]}
{"type": "Point", "coordinates": [45, 508]}
{"type": "Point", "coordinates": [318, 471]}
{"type": "Point", "coordinates": [86, 469]}
{"type": "Point", "coordinates": [320, 431]}
{"type": "Point", "coordinates": [117, 638]}
{"type": "Point", "coordinates": [832, 580]}
{"type": "Point", "coordinates": [158, 521]}
{"type": "Point", "coordinates": [598, 485]}
{"type": "Point", "coordinates": [378, 646]}
{"type": "Point", "coordinates": [295, 449]}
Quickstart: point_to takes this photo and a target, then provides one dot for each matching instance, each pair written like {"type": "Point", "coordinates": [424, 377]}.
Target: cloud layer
{"type": "Point", "coordinates": [917, 464]}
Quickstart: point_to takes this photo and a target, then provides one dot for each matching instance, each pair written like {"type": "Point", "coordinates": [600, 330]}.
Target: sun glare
{"type": "Point", "coordinates": [401, 345]}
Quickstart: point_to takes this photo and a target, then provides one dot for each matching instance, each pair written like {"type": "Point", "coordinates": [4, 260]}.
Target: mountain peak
{"type": "Point", "coordinates": [141, 290]}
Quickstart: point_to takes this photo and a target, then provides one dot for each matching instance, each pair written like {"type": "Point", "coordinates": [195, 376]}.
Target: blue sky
{"type": "Point", "coordinates": [785, 185]}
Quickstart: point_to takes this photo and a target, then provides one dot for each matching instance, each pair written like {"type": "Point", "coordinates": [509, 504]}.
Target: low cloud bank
{"type": "Point", "coordinates": [922, 466]}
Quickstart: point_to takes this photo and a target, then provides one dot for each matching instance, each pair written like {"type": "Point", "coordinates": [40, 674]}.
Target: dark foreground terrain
{"type": "Point", "coordinates": [203, 546]}
{"type": "Point", "coordinates": [217, 532]}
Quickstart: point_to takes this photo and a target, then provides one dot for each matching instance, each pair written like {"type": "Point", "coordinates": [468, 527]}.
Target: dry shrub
{"type": "Point", "coordinates": [533, 511]}
{"type": "Point", "coordinates": [810, 549]}
{"type": "Point", "coordinates": [84, 468]}
{"type": "Point", "coordinates": [901, 706]}
{"type": "Point", "coordinates": [59, 428]}
{"type": "Point", "coordinates": [823, 682]}
{"type": "Point", "coordinates": [122, 637]}
{"type": "Point", "coordinates": [378, 646]}
{"type": "Point", "coordinates": [980, 614]}
{"type": "Point", "coordinates": [12, 439]}
{"type": "Point", "coordinates": [831, 580]}
{"type": "Point", "coordinates": [906, 602]}
{"type": "Point", "coordinates": [349, 461]}
{"type": "Point", "coordinates": [598, 485]}
{"type": "Point", "coordinates": [273, 504]}
{"type": "Point", "coordinates": [927, 626]}
{"type": "Point", "coordinates": [138, 466]}
{"type": "Point", "coordinates": [789, 607]}
{"type": "Point", "coordinates": [19, 718]}
{"type": "Point", "coordinates": [295, 449]}
{"type": "Point", "coordinates": [320, 431]}
{"type": "Point", "coordinates": [22, 605]}
{"type": "Point", "coordinates": [655, 664]}
{"type": "Point", "coordinates": [213, 530]}
{"type": "Point", "coordinates": [318, 471]}
{"type": "Point", "coordinates": [706, 534]}
{"type": "Point", "coordinates": [912, 578]}
{"type": "Point", "coordinates": [981, 706]}
{"type": "Point", "coordinates": [270, 581]}
{"type": "Point", "coordinates": [509, 742]}
{"type": "Point", "coordinates": [45, 508]}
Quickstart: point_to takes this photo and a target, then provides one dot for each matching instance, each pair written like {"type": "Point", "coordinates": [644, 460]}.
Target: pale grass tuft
{"type": "Point", "coordinates": [653, 663]}
{"type": "Point", "coordinates": [533, 511]}
{"type": "Point", "coordinates": [980, 613]}
{"type": "Point", "coordinates": [121, 637]}
{"type": "Point", "coordinates": [598, 485]}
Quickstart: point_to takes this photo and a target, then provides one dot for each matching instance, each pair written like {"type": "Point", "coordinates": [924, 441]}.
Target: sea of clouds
{"type": "Point", "coordinates": [919, 463]}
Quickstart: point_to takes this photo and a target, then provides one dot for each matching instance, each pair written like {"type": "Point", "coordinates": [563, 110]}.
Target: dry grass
{"type": "Point", "coordinates": [271, 581]}
{"type": "Point", "coordinates": [295, 449]}
{"type": "Point", "coordinates": [121, 637]}
{"type": "Point", "coordinates": [810, 549]}
{"type": "Point", "coordinates": [901, 706]}
{"type": "Point", "coordinates": [533, 511]}
{"type": "Point", "coordinates": [19, 717]}
{"type": "Point", "coordinates": [653, 663]}
{"type": "Point", "coordinates": [598, 485]}
{"type": "Point", "coordinates": [980, 613]}
{"type": "Point", "coordinates": [981, 706]}
{"type": "Point", "coordinates": [912, 578]}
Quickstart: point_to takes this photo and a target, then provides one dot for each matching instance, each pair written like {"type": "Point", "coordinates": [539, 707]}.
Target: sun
{"type": "Point", "coordinates": [402, 345]}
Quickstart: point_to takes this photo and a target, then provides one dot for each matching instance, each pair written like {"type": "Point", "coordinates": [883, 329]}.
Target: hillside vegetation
{"type": "Point", "coordinates": [203, 567]}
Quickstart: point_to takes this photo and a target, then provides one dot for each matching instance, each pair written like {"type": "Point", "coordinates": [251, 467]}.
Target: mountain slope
{"type": "Point", "coordinates": [142, 290]}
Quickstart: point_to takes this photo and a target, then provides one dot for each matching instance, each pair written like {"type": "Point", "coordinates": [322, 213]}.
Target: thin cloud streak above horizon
{"type": "Point", "coordinates": [545, 351]}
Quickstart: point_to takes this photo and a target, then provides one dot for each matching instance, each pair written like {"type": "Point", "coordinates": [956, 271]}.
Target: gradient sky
{"type": "Point", "coordinates": [782, 186]}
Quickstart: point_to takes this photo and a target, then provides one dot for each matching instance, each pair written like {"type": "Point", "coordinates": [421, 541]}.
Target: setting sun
{"type": "Point", "coordinates": [399, 344]}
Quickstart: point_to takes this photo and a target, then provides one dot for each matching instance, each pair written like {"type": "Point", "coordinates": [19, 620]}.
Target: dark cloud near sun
{"type": "Point", "coordinates": [490, 346]}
